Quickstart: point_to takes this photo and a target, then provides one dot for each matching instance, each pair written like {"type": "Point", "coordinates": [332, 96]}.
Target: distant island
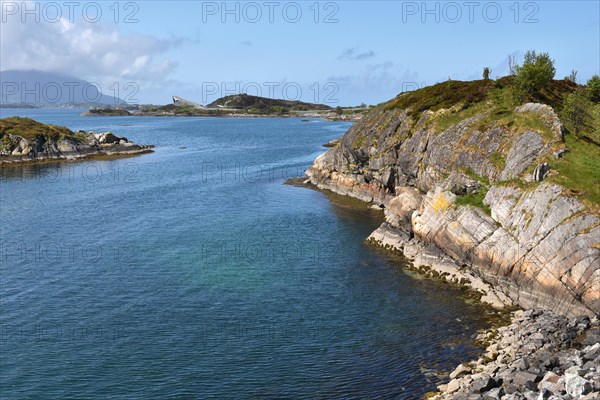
{"type": "Point", "coordinates": [26, 140]}
{"type": "Point", "coordinates": [238, 105]}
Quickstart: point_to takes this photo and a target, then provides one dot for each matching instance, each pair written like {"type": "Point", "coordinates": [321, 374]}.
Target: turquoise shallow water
{"type": "Point", "coordinates": [194, 272]}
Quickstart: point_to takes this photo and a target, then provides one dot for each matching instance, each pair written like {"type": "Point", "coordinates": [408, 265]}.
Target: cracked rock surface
{"type": "Point", "coordinates": [530, 244]}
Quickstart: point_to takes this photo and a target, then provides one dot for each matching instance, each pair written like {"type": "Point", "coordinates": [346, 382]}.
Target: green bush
{"type": "Point", "coordinates": [486, 73]}
{"type": "Point", "coordinates": [593, 87]}
{"type": "Point", "coordinates": [536, 72]}
{"type": "Point", "coordinates": [577, 112]}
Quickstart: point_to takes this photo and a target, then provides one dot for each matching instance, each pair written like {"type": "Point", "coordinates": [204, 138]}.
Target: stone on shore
{"type": "Point", "coordinates": [539, 356]}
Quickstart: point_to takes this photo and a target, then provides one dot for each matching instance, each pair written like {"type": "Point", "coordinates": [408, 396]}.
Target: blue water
{"type": "Point", "coordinates": [195, 272]}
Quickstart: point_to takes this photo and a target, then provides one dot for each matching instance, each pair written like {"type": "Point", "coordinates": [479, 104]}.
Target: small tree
{"type": "Point", "coordinates": [486, 73]}
{"type": "Point", "coordinates": [338, 110]}
{"type": "Point", "coordinates": [593, 88]}
{"type": "Point", "coordinates": [536, 72]}
{"type": "Point", "coordinates": [572, 76]}
{"type": "Point", "coordinates": [577, 111]}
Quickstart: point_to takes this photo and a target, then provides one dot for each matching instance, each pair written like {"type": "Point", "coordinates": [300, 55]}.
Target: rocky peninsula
{"type": "Point", "coordinates": [26, 140]}
{"type": "Point", "coordinates": [237, 106]}
{"type": "Point", "coordinates": [495, 194]}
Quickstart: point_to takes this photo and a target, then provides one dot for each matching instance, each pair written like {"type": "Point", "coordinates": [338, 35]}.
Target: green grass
{"type": "Point", "coordinates": [482, 180]}
{"type": "Point", "coordinates": [359, 141]}
{"type": "Point", "coordinates": [441, 95]}
{"type": "Point", "coordinates": [499, 160]}
{"type": "Point", "coordinates": [530, 121]}
{"type": "Point", "coordinates": [579, 170]}
{"type": "Point", "coordinates": [475, 200]}
{"type": "Point", "coordinates": [594, 133]}
{"type": "Point", "coordinates": [353, 111]}
{"type": "Point", "coordinates": [30, 129]}
{"type": "Point", "coordinates": [455, 115]}
{"type": "Point", "coordinates": [495, 98]}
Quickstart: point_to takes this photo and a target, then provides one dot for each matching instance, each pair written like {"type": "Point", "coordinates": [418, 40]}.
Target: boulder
{"type": "Point", "coordinates": [576, 386]}
{"type": "Point", "coordinates": [460, 371]}
{"type": "Point", "coordinates": [540, 172]}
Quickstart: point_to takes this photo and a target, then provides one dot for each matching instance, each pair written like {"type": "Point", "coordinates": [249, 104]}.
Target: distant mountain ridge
{"type": "Point", "coordinates": [46, 89]}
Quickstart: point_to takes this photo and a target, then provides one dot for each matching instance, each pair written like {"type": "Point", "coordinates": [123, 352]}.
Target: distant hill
{"type": "Point", "coordinates": [234, 105]}
{"type": "Point", "coordinates": [247, 102]}
{"type": "Point", "coordinates": [37, 88]}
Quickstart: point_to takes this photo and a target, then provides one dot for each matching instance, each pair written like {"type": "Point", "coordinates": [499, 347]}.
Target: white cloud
{"type": "Point", "coordinates": [93, 51]}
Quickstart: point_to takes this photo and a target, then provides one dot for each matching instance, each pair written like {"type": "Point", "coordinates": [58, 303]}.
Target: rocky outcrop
{"type": "Point", "coordinates": [540, 355]}
{"type": "Point", "coordinates": [332, 143]}
{"type": "Point", "coordinates": [548, 116]}
{"type": "Point", "coordinates": [24, 140]}
{"type": "Point", "coordinates": [466, 201]}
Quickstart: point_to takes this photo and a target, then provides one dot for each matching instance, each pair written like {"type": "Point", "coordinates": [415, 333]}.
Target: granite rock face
{"type": "Point", "coordinates": [528, 244]}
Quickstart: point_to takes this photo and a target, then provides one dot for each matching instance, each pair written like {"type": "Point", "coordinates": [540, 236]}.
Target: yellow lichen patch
{"type": "Point", "coordinates": [440, 202]}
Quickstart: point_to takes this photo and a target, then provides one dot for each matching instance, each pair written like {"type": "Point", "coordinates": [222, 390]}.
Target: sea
{"type": "Point", "coordinates": [198, 272]}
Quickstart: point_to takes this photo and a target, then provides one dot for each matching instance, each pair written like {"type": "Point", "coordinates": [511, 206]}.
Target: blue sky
{"type": "Point", "coordinates": [356, 51]}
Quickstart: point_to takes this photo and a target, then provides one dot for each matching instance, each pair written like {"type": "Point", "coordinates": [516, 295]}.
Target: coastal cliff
{"type": "Point", "coordinates": [26, 140]}
{"type": "Point", "coordinates": [481, 191]}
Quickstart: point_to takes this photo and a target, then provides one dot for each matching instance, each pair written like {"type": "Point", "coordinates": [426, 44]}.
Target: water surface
{"type": "Point", "coordinates": [195, 272]}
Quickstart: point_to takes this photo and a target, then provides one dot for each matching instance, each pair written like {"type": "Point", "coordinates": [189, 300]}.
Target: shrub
{"type": "Point", "coordinates": [577, 111]}
{"type": "Point", "coordinates": [536, 72]}
{"type": "Point", "coordinates": [486, 73]}
{"type": "Point", "coordinates": [593, 88]}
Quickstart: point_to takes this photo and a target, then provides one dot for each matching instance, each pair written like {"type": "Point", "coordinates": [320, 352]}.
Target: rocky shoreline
{"type": "Point", "coordinates": [540, 355]}
{"type": "Point", "coordinates": [477, 198]}
{"type": "Point", "coordinates": [224, 113]}
{"type": "Point", "coordinates": [27, 141]}
{"type": "Point", "coordinates": [526, 243]}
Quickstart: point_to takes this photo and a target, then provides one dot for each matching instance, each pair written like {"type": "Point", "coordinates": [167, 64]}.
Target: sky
{"type": "Point", "coordinates": [333, 52]}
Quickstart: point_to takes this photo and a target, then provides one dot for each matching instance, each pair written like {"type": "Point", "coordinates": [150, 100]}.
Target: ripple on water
{"type": "Point", "coordinates": [193, 283]}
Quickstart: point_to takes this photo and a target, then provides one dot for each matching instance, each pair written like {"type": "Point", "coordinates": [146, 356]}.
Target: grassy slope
{"type": "Point", "coordinates": [30, 130]}
{"type": "Point", "coordinates": [578, 171]}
